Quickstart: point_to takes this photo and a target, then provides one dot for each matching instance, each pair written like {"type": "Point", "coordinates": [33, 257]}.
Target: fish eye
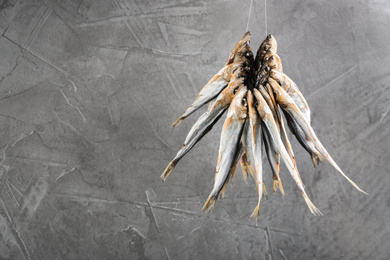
{"type": "Point", "coordinates": [244, 102]}
{"type": "Point", "coordinates": [267, 69]}
{"type": "Point", "coordinates": [235, 90]}
{"type": "Point", "coordinates": [248, 54]}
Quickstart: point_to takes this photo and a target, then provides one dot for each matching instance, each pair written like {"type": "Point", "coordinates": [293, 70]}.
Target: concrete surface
{"type": "Point", "coordinates": [88, 90]}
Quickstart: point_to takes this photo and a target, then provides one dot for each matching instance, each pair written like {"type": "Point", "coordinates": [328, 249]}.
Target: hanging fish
{"type": "Point", "coordinates": [259, 97]}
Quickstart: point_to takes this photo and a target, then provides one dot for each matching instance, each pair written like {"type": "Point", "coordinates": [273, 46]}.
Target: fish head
{"type": "Point", "coordinates": [272, 84]}
{"type": "Point", "coordinates": [239, 107]}
{"type": "Point", "coordinates": [239, 47]}
{"type": "Point", "coordinates": [238, 68]}
{"type": "Point", "coordinates": [272, 60]}
{"type": "Point", "coordinates": [268, 45]}
{"type": "Point", "coordinates": [263, 73]}
{"type": "Point", "coordinates": [235, 85]}
{"type": "Point", "coordinates": [278, 78]}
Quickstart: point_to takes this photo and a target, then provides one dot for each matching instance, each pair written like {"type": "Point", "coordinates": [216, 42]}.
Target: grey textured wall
{"type": "Point", "coordinates": [88, 90]}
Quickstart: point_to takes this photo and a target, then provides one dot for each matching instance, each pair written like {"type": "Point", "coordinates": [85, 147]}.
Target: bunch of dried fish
{"type": "Point", "coordinates": [258, 97]}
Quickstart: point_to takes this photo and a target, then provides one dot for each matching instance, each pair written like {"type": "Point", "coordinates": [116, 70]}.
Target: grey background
{"type": "Point", "coordinates": [88, 90]}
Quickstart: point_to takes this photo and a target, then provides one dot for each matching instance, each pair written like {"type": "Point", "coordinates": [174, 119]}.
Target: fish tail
{"type": "Point", "coordinates": [178, 121]}
{"type": "Point", "coordinates": [277, 184]}
{"type": "Point", "coordinates": [210, 202]}
{"type": "Point", "coordinates": [168, 170]}
{"type": "Point", "coordinates": [256, 212]}
{"type": "Point", "coordinates": [316, 159]}
{"type": "Point", "coordinates": [333, 163]}
{"type": "Point", "coordinates": [310, 204]}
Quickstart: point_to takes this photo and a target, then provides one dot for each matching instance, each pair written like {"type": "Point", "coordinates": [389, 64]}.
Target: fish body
{"type": "Point", "coordinates": [268, 95]}
{"type": "Point", "coordinates": [233, 170]}
{"type": "Point", "coordinates": [274, 160]}
{"type": "Point", "coordinates": [292, 89]}
{"type": "Point", "coordinates": [308, 145]}
{"type": "Point", "coordinates": [255, 137]}
{"type": "Point", "coordinates": [266, 116]}
{"type": "Point", "coordinates": [221, 102]}
{"type": "Point", "coordinates": [229, 144]}
{"type": "Point", "coordinates": [240, 49]}
{"type": "Point", "coordinates": [188, 146]}
{"type": "Point", "coordinates": [288, 104]}
{"type": "Point", "coordinates": [216, 84]}
{"type": "Point", "coordinates": [245, 167]}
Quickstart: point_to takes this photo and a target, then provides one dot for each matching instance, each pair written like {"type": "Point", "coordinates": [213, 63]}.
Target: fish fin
{"type": "Point", "coordinates": [316, 156]}
{"type": "Point", "coordinates": [310, 204]}
{"type": "Point", "coordinates": [275, 185]}
{"type": "Point", "coordinates": [245, 173]}
{"type": "Point", "coordinates": [232, 173]}
{"type": "Point", "coordinates": [281, 187]}
{"type": "Point", "coordinates": [177, 122]}
{"type": "Point", "coordinates": [229, 179]}
{"type": "Point", "coordinates": [265, 190]}
{"type": "Point", "coordinates": [168, 170]}
{"type": "Point", "coordinates": [223, 190]}
{"type": "Point", "coordinates": [251, 173]}
{"type": "Point", "coordinates": [245, 167]}
{"type": "Point", "coordinates": [210, 202]}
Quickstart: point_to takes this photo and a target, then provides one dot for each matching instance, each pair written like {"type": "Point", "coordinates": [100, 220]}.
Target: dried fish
{"type": "Point", "coordinates": [258, 97]}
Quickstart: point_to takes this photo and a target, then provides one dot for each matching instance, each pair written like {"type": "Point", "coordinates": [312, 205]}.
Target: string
{"type": "Point", "coordinates": [265, 15]}
{"type": "Point", "coordinates": [249, 15]}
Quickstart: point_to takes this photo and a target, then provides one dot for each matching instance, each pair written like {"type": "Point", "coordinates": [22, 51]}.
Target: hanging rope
{"type": "Point", "coordinates": [265, 15]}
{"type": "Point", "coordinates": [249, 15]}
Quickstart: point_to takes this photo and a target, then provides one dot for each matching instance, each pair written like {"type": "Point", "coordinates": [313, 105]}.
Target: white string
{"type": "Point", "coordinates": [249, 15]}
{"type": "Point", "coordinates": [265, 14]}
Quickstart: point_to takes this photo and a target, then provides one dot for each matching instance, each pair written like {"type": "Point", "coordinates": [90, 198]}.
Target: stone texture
{"type": "Point", "coordinates": [88, 90]}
